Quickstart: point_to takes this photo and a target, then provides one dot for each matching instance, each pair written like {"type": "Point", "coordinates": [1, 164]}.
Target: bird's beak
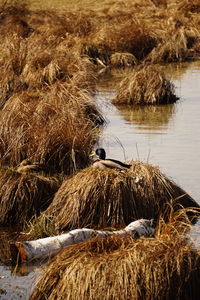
{"type": "Point", "coordinates": [92, 154]}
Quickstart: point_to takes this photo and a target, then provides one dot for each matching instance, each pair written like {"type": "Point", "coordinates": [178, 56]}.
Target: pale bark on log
{"type": "Point", "coordinates": [41, 248]}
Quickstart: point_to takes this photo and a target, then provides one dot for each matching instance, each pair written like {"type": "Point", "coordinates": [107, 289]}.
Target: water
{"type": "Point", "coordinates": [167, 136]}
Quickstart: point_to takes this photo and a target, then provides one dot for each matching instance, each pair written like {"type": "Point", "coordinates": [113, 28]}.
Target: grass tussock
{"type": "Point", "coordinates": [189, 7]}
{"type": "Point", "coordinates": [102, 198]}
{"type": "Point", "coordinates": [175, 47]}
{"type": "Point", "coordinates": [163, 267]}
{"type": "Point", "coordinates": [56, 129]}
{"type": "Point", "coordinates": [38, 63]}
{"type": "Point", "coordinates": [12, 18]}
{"type": "Point", "coordinates": [123, 60]}
{"type": "Point", "coordinates": [130, 37]}
{"type": "Point", "coordinates": [23, 196]}
{"type": "Point", "coordinates": [145, 86]}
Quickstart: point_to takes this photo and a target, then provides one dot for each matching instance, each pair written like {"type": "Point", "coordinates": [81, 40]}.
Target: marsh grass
{"type": "Point", "coordinates": [145, 86]}
{"type": "Point", "coordinates": [24, 195]}
{"type": "Point", "coordinates": [39, 227]}
{"type": "Point", "coordinates": [56, 128]}
{"type": "Point", "coordinates": [175, 47]}
{"type": "Point", "coordinates": [163, 267]}
{"type": "Point", "coordinates": [102, 198]}
{"type": "Point", "coordinates": [123, 60]}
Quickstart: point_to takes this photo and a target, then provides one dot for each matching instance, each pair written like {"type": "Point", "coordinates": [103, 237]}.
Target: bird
{"type": "Point", "coordinates": [27, 166]}
{"type": "Point", "coordinates": [106, 163]}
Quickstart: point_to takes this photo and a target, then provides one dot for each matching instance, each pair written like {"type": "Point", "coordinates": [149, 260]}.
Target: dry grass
{"type": "Point", "coordinates": [23, 196]}
{"type": "Point", "coordinates": [101, 198]}
{"type": "Point", "coordinates": [5, 236]}
{"type": "Point", "coordinates": [123, 60]}
{"type": "Point", "coordinates": [164, 267]}
{"type": "Point", "coordinates": [41, 47]}
{"type": "Point", "coordinates": [175, 47]}
{"type": "Point", "coordinates": [145, 86]}
{"type": "Point", "coordinates": [56, 129]}
{"type": "Point", "coordinates": [141, 28]}
{"type": "Point", "coordinates": [50, 60]}
{"type": "Point", "coordinates": [192, 6]}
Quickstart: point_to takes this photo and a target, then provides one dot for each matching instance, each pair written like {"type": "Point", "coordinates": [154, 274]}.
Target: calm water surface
{"type": "Point", "coordinates": [167, 136]}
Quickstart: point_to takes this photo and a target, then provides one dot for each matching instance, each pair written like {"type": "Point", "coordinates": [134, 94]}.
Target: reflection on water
{"type": "Point", "coordinates": [13, 286]}
{"type": "Point", "coordinates": [153, 118]}
{"type": "Point", "coordinates": [15, 281]}
{"type": "Point", "coordinates": [168, 136]}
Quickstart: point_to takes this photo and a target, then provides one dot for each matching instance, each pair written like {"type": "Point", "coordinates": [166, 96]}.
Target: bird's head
{"type": "Point", "coordinates": [100, 153]}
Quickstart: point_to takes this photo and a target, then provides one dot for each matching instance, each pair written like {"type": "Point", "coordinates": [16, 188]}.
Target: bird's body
{"type": "Point", "coordinates": [103, 163]}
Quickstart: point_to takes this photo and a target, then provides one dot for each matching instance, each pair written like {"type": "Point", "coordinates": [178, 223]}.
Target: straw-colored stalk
{"type": "Point", "coordinates": [175, 46]}
{"type": "Point", "coordinates": [22, 196]}
{"type": "Point", "coordinates": [192, 6]}
{"type": "Point", "coordinates": [164, 267]}
{"type": "Point", "coordinates": [145, 86]}
{"type": "Point", "coordinates": [123, 60]}
{"type": "Point", "coordinates": [56, 129]}
{"type": "Point", "coordinates": [101, 198]}
{"type": "Point", "coordinates": [127, 35]}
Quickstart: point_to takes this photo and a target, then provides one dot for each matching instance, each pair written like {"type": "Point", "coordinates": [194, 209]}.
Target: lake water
{"type": "Point", "coordinates": [167, 136]}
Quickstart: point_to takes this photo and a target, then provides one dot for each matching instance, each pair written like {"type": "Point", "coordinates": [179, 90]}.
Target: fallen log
{"type": "Point", "coordinates": [41, 248]}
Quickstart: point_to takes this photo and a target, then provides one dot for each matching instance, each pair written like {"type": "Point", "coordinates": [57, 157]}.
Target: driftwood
{"type": "Point", "coordinates": [41, 248]}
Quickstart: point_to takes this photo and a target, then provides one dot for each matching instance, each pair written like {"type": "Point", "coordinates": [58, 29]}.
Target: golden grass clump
{"type": "Point", "coordinates": [192, 6]}
{"type": "Point", "coordinates": [174, 47]}
{"type": "Point", "coordinates": [145, 86]}
{"type": "Point", "coordinates": [57, 129]}
{"type": "Point", "coordinates": [13, 54]}
{"type": "Point", "coordinates": [50, 59]}
{"type": "Point", "coordinates": [123, 60]}
{"type": "Point", "coordinates": [163, 267]}
{"type": "Point", "coordinates": [12, 19]}
{"type": "Point", "coordinates": [24, 195]}
{"type": "Point", "coordinates": [102, 198]}
{"type": "Point", "coordinates": [127, 36]}
{"type": "Point", "coordinates": [39, 62]}
{"type": "Point", "coordinates": [99, 53]}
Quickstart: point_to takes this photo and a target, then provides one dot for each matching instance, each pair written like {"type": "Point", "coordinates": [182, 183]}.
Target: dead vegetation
{"type": "Point", "coordinates": [145, 86]}
{"type": "Point", "coordinates": [23, 196]}
{"type": "Point", "coordinates": [163, 267]}
{"type": "Point", "coordinates": [50, 61]}
{"type": "Point", "coordinates": [101, 198]}
{"type": "Point", "coordinates": [56, 128]}
{"type": "Point", "coordinates": [123, 60]}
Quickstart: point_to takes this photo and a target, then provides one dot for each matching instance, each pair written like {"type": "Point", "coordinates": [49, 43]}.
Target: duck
{"type": "Point", "coordinates": [27, 166]}
{"type": "Point", "coordinates": [106, 163]}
